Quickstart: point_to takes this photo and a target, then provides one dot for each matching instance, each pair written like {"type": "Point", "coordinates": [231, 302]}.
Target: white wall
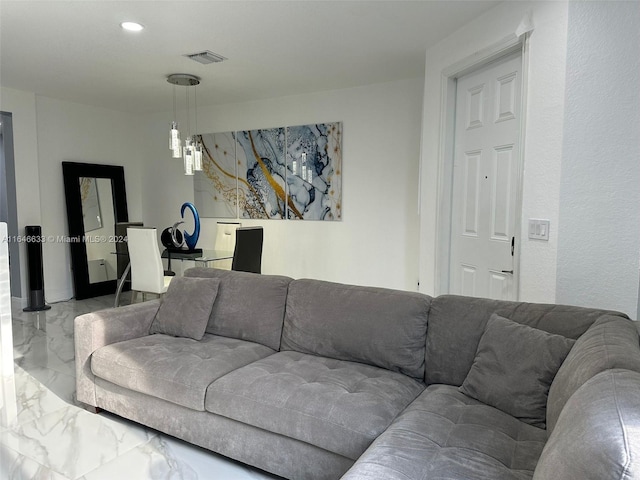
{"type": "Point", "coordinates": [543, 142]}
{"type": "Point", "coordinates": [25, 142]}
{"type": "Point", "coordinates": [79, 133]}
{"type": "Point", "coordinates": [376, 242]}
{"type": "Point", "coordinates": [599, 238]}
{"type": "Point", "coordinates": [45, 133]}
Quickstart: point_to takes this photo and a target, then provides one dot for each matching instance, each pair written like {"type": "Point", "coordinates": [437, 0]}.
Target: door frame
{"type": "Point", "coordinates": [8, 160]}
{"type": "Point", "coordinates": [446, 150]}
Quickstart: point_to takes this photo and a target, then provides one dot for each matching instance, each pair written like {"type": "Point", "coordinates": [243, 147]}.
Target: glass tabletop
{"type": "Point", "coordinates": [204, 256]}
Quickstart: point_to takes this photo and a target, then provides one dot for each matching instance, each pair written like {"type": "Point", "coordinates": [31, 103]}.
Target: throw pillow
{"type": "Point", "coordinates": [514, 367]}
{"type": "Point", "coordinates": [186, 307]}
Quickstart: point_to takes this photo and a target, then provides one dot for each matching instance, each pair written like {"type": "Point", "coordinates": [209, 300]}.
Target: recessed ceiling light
{"type": "Point", "coordinates": [131, 26]}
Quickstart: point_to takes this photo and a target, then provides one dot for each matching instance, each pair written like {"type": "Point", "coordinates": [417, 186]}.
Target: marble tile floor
{"type": "Point", "coordinates": [46, 435]}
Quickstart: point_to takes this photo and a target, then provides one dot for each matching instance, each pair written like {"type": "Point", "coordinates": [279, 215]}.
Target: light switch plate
{"type": "Point", "coordinates": [538, 229]}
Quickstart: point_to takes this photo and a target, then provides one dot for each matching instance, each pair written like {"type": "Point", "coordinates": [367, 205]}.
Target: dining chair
{"type": "Point", "coordinates": [225, 241]}
{"type": "Point", "coordinates": [122, 250]}
{"type": "Point", "coordinates": [147, 272]}
{"type": "Point", "coordinates": [247, 255]}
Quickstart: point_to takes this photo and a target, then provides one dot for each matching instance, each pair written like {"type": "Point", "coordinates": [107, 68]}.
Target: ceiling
{"type": "Point", "coordinates": [77, 52]}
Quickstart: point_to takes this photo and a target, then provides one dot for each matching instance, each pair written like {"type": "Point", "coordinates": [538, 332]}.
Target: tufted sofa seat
{"type": "Point", "coordinates": [446, 434]}
{"type": "Point", "coordinates": [174, 369]}
{"type": "Point", "coordinates": [337, 405]}
{"type": "Point", "coordinates": [316, 380]}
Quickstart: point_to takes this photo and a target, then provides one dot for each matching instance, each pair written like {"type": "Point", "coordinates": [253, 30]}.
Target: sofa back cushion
{"type": "Point", "coordinates": [186, 307]}
{"type": "Point", "coordinates": [514, 367]}
{"type": "Point", "coordinates": [597, 434]}
{"type": "Point", "coordinates": [611, 342]}
{"type": "Point", "coordinates": [376, 326]}
{"type": "Point", "coordinates": [248, 306]}
{"type": "Point", "coordinates": [456, 324]}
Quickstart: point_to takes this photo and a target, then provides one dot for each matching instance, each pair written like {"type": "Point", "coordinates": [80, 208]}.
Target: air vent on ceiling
{"type": "Point", "coordinates": [205, 57]}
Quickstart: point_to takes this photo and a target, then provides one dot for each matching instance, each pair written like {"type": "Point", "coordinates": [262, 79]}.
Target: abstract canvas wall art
{"type": "Point", "coordinates": [314, 171]}
{"type": "Point", "coordinates": [261, 173]}
{"type": "Point", "coordinates": [276, 173]}
{"type": "Point", "coordinates": [216, 186]}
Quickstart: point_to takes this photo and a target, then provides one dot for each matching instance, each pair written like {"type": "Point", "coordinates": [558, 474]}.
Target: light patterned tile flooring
{"type": "Point", "coordinates": [45, 434]}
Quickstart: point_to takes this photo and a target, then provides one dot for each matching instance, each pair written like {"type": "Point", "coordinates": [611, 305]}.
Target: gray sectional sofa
{"type": "Point", "coordinates": [315, 380]}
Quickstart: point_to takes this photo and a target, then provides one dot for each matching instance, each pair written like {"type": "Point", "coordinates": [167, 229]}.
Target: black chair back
{"type": "Point", "coordinates": [247, 256]}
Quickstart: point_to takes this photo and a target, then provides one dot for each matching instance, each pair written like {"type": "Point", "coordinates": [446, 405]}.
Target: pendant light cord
{"type": "Point", "coordinates": [175, 119]}
{"type": "Point", "coordinates": [195, 102]}
{"type": "Point", "coordinates": [188, 119]}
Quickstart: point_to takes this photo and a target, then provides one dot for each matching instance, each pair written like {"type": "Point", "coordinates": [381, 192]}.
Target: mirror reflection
{"type": "Point", "coordinates": [90, 204]}
{"type": "Point", "coordinates": [99, 220]}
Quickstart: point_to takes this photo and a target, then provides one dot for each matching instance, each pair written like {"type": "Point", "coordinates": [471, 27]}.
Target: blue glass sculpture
{"type": "Point", "coordinates": [191, 238]}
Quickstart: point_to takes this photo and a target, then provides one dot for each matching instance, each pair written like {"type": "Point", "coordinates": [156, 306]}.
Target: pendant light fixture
{"type": "Point", "coordinates": [191, 151]}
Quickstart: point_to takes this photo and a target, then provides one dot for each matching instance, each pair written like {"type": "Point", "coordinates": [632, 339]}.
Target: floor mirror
{"type": "Point", "coordinates": [96, 200]}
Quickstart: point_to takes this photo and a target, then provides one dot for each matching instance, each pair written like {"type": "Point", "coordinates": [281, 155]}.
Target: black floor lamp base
{"type": "Point", "coordinates": [36, 302]}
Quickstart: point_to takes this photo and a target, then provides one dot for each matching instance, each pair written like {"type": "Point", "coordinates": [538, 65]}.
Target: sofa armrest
{"type": "Point", "coordinates": [597, 432]}
{"type": "Point", "coordinates": [97, 329]}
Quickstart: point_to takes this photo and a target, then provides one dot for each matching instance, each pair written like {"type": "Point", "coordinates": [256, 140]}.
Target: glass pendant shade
{"type": "Point", "coordinates": [188, 163]}
{"type": "Point", "coordinates": [174, 136]}
{"type": "Point", "coordinates": [197, 157]}
{"type": "Point", "coordinates": [175, 145]}
{"type": "Point", "coordinates": [188, 157]}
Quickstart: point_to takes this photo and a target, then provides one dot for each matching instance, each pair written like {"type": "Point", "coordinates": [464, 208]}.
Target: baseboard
{"type": "Point", "coordinates": [18, 303]}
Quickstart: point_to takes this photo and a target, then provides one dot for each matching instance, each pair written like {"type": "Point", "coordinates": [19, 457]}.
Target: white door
{"type": "Point", "coordinates": [485, 181]}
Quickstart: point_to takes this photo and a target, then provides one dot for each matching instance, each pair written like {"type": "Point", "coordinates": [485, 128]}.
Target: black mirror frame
{"type": "Point", "coordinates": [72, 171]}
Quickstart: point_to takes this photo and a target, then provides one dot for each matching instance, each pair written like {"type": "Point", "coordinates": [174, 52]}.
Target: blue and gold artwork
{"type": "Point", "coordinates": [261, 173]}
{"type": "Point", "coordinates": [216, 186]}
{"type": "Point", "coordinates": [276, 173]}
{"type": "Point", "coordinates": [314, 171]}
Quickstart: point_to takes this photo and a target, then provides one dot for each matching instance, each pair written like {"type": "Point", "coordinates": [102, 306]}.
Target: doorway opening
{"type": "Point", "coordinates": [8, 203]}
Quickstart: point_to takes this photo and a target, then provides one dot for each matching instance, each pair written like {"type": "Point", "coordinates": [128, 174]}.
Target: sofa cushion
{"type": "Point", "coordinates": [514, 367]}
{"type": "Point", "coordinates": [175, 369]}
{"type": "Point", "coordinates": [597, 435]}
{"type": "Point", "coordinates": [445, 434]}
{"type": "Point", "coordinates": [186, 307]}
{"type": "Point", "coordinates": [612, 342]}
{"type": "Point", "coordinates": [377, 326]}
{"type": "Point", "coordinates": [248, 306]}
{"type": "Point", "coordinates": [336, 405]}
{"type": "Point", "coordinates": [456, 324]}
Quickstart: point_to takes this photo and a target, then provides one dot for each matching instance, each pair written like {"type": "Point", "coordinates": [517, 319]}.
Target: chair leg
{"type": "Point", "coordinates": [134, 295]}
